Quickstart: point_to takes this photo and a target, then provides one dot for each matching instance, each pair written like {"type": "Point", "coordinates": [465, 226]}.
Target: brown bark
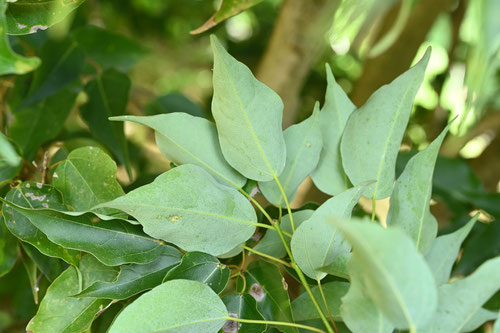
{"type": "Point", "coordinates": [297, 40]}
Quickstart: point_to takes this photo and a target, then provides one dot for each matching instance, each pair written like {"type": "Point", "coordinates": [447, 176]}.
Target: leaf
{"type": "Point", "coordinates": [8, 250]}
{"type": "Point", "coordinates": [8, 153]}
{"type": "Point", "coordinates": [394, 273]}
{"type": "Point", "coordinates": [107, 48]}
{"type": "Point", "coordinates": [304, 309]}
{"type": "Point", "coordinates": [315, 243]}
{"type": "Point", "coordinates": [410, 199]}
{"type": "Point", "coordinates": [358, 310]}
{"type": "Point", "coordinates": [460, 300]}
{"type": "Point", "coordinates": [338, 267]}
{"type": "Point", "coordinates": [186, 206]}
{"type": "Point", "coordinates": [39, 123]}
{"type": "Point", "coordinates": [49, 266]}
{"type": "Point", "coordinates": [87, 178]}
{"type": "Point", "coordinates": [135, 278]}
{"type": "Point", "coordinates": [303, 146]}
{"type": "Point", "coordinates": [248, 115]}
{"type": "Point", "coordinates": [201, 267]}
{"type": "Point", "coordinates": [175, 102]}
{"type": "Point", "coordinates": [329, 176]}
{"type": "Point", "coordinates": [478, 319]}
{"type": "Point", "coordinates": [181, 306]}
{"type": "Point", "coordinates": [227, 9]}
{"type": "Point", "coordinates": [10, 62]}
{"type": "Point", "coordinates": [112, 242]}
{"type": "Point", "coordinates": [374, 132]}
{"type": "Point", "coordinates": [8, 171]}
{"type": "Point", "coordinates": [443, 253]}
{"type": "Point", "coordinates": [36, 195]}
{"type": "Point", "coordinates": [107, 97]}
{"type": "Point", "coordinates": [185, 139]}
{"type": "Point", "coordinates": [59, 312]}
{"type": "Point", "coordinates": [242, 306]}
{"type": "Point", "coordinates": [496, 327]}
{"type": "Point", "coordinates": [271, 242]}
{"type": "Point", "coordinates": [62, 63]}
{"type": "Point", "coordinates": [265, 284]}
{"type": "Point", "coordinates": [29, 16]}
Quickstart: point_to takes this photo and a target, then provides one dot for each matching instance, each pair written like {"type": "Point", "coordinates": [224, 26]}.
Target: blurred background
{"type": "Point", "coordinates": [286, 43]}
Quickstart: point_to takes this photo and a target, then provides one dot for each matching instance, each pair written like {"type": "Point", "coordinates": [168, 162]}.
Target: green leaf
{"type": "Point", "coordinates": [39, 123]}
{"type": "Point", "coordinates": [410, 199]}
{"type": "Point", "coordinates": [181, 306]}
{"type": "Point", "coordinates": [460, 300]}
{"type": "Point", "coordinates": [185, 139]}
{"type": "Point", "coordinates": [36, 196]}
{"type": "Point", "coordinates": [267, 286]}
{"type": "Point", "coordinates": [338, 267]}
{"type": "Point", "coordinates": [7, 171]}
{"type": "Point", "coordinates": [135, 278]}
{"type": "Point", "coordinates": [107, 97]}
{"type": "Point", "coordinates": [186, 206]}
{"type": "Point", "coordinates": [227, 9]}
{"type": "Point", "coordinates": [10, 62]}
{"type": "Point", "coordinates": [271, 242]}
{"type": "Point", "coordinates": [201, 267]}
{"type": "Point", "coordinates": [496, 327]}
{"type": "Point", "coordinates": [443, 253]}
{"type": "Point", "coordinates": [62, 63]}
{"type": "Point", "coordinates": [329, 176]}
{"type": "Point", "coordinates": [175, 102]}
{"type": "Point", "coordinates": [248, 115]}
{"type": "Point", "coordinates": [316, 243]}
{"type": "Point", "coordinates": [358, 310]}
{"type": "Point", "coordinates": [242, 306]}
{"type": "Point", "coordinates": [395, 275]}
{"type": "Point", "coordinates": [374, 132]}
{"type": "Point", "coordinates": [304, 309]}
{"type": "Point", "coordinates": [479, 318]}
{"type": "Point", "coordinates": [303, 147]}
{"type": "Point", "coordinates": [59, 312]}
{"type": "Point", "coordinates": [49, 266]}
{"type": "Point", "coordinates": [29, 16]}
{"type": "Point", "coordinates": [113, 242]}
{"type": "Point", "coordinates": [87, 178]}
{"type": "Point", "coordinates": [8, 249]}
{"type": "Point", "coordinates": [107, 48]}
{"type": "Point", "coordinates": [8, 153]}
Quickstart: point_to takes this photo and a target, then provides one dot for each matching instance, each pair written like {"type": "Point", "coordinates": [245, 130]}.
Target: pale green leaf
{"type": "Point", "coordinates": [304, 309]}
{"type": "Point", "coordinates": [496, 327]}
{"type": "Point", "coordinates": [271, 242]}
{"type": "Point", "coordinates": [444, 252]}
{"type": "Point", "coordinates": [329, 176]}
{"type": "Point", "coordinates": [201, 267]}
{"type": "Point", "coordinates": [338, 267]}
{"type": "Point", "coordinates": [10, 62]}
{"type": "Point", "coordinates": [303, 146]}
{"type": "Point", "coordinates": [188, 207]}
{"type": "Point", "coordinates": [459, 301]}
{"type": "Point", "coordinates": [8, 154]}
{"type": "Point", "coordinates": [29, 16]}
{"type": "Point", "coordinates": [59, 312]}
{"type": "Point", "coordinates": [358, 311]}
{"type": "Point", "coordinates": [410, 199]}
{"type": "Point", "coordinates": [135, 278]}
{"type": "Point", "coordinates": [248, 115]}
{"type": "Point", "coordinates": [87, 178]}
{"type": "Point", "coordinates": [185, 139]}
{"type": "Point", "coordinates": [395, 275]}
{"type": "Point", "coordinates": [316, 243]}
{"type": "Point", "coordinates": [179, 306]}
{"type": "Point", "coordinates": [374, 132]}
{"type": "Point", "coordinates": [479, 318]}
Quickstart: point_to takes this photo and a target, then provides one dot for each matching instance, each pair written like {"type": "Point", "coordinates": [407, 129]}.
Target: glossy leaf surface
{"type": "Point", "coordinates": [243, 306]}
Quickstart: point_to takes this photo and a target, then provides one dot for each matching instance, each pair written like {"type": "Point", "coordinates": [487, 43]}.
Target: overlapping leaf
{"type": "Point", "coordinates": [242, 306]}
{"type": "Point", "coordinates": [8, 249]}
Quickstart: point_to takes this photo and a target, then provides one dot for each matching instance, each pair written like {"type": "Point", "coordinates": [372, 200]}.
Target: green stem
{"type": "Point", "coordinates": [287, 204]}
{"type": "Point", "coordinates": [262, 254]}
{"type": "Point", "coordinates": [320, 287]}
{"type": "Point", "coordinates": [374, 206]}
{"type": "Point", "coordinates": [281, 323]}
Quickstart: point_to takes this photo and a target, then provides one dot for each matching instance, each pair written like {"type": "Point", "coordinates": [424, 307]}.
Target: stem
{"type": "Point", "coordinates": [262, 254]}
{"type": "Point", "coordinates": [374, 206]}
{"type": "Point", "coordinates": [326, 305]}
{"type": "Point", "coordinates": [282, 323]}
{"type": "Point", "coordinates": [287, 204]}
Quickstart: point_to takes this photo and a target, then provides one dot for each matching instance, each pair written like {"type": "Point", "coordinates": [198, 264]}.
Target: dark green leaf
{"type": "Point", "coordinates": [8, 249]}
{"type": "Point", "coordinates": [36, 195]}
{"type": "Point", "coordinates": [107, 97]}
{"type": "Point", "coordinates": [135, 278]}
{"type": "Point", "coordinates": [29, 16]}
{"type": "Point", "coordinates": [201, 267]}
{"type": "Point", "coordinates": [175, 102]}
{"type": "Point", "coordinates": [113, 242]}
{"type": "Point", "coordinates": [49, 266]}
{"type": "Point", "coordinates": [242, 306]}
{"type": "Point", "coordinates": [181, 306]}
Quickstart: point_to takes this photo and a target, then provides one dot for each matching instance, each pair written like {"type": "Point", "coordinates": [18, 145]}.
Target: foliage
{"type": "Point", "coordinates": [194, 250]}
